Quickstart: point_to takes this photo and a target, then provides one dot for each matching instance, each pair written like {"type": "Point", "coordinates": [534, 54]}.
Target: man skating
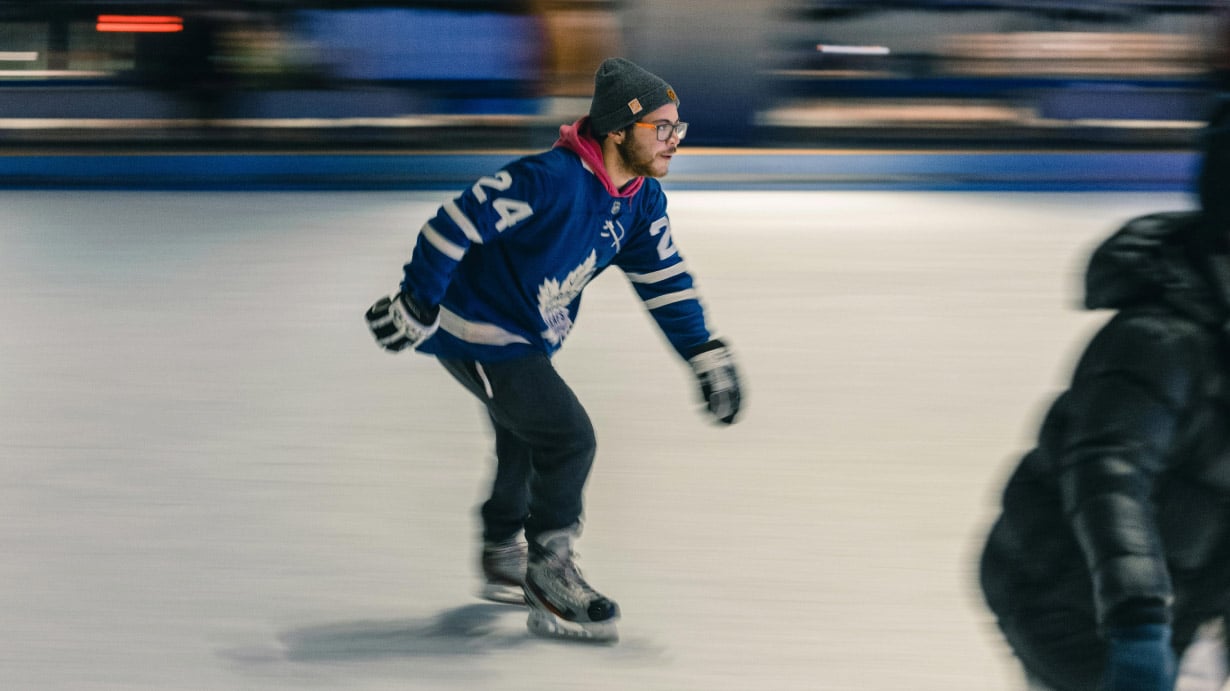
{"type": "Point", "coordinates": [492, 290]}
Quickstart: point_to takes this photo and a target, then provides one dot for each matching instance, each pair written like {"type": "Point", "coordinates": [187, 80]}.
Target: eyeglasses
{"type": "Point", "coordinates": [680, 129]}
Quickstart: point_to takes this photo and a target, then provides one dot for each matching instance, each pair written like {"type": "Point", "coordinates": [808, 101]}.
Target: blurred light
{"type": "Point", "coordinates": [139, 23]}
{"type": "Point", "coordinates": [852, 50]}
{"type": "Point", "coordinates": [19, 55]}
{"type": "Point", "coordinates": [42, 74]}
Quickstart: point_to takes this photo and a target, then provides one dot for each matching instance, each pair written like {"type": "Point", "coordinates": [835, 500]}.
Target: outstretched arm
{"type": "Point", "coordinates": [478, 216]}
{"type": "Point", "coordinates": [1133, 384]}
{"type": "Point", "coordinates": [665, 286]}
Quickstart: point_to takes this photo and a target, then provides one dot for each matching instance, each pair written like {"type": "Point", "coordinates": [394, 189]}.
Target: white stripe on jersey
{"type": "Point", "coordinates": [441, 243]}
{"type": "Point", "coordinates": [464, 223]}
{"type": "Point", "coordinates": [481, 333]}
{"type": "Point", "coordinates": [671, 298]}
{"type": "Point", "coordinates": [660, 275]}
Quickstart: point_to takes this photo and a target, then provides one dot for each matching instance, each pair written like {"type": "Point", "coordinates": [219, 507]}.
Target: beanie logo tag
{"type": "Point", "coordinates": [670, 93]}
{"type": "Point", "coordinates": [635, 106]}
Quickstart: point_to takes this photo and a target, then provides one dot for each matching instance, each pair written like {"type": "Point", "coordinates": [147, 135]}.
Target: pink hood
{"type": "Point", "coordinates": [577, 139]}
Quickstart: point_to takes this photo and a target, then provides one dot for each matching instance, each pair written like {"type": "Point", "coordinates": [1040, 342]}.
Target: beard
{"type": "Point", "coordinates": [637, 161]}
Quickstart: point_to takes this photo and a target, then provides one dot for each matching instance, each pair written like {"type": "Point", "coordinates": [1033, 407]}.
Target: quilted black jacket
{"type": "Point", "coordinates": [1122, 510]}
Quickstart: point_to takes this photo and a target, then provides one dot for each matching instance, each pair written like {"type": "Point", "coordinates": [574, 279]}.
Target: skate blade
{"type": "Point", "coordinates": [547, 625]}
{"type": "Point", "coordinates": [503, 593]}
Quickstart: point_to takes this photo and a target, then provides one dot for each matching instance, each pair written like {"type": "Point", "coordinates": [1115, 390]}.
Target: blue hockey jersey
{"type": "Point", "coordinates": [507, 260]}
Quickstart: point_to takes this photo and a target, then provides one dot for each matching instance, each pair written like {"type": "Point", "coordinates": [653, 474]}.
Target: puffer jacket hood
{"type": "Point", "coordinates": [1165, 257]}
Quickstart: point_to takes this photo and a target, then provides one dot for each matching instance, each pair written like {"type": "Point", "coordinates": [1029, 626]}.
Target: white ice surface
{"type": "Point", "coordinates": [212, 478]}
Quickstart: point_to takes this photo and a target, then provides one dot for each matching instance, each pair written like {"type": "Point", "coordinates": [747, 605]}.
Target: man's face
{"type": "Point", "coordinates": [641, 152]}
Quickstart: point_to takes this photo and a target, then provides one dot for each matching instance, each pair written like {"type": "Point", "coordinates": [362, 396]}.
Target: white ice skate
{"type": "Point", "coordinates": [562, 604]}
{"type": "Point", "coordinates": [503, 567]}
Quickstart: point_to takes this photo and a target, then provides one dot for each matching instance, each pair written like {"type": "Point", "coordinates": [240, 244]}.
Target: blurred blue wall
{"type": "Point", "coordinates": [424, 44]}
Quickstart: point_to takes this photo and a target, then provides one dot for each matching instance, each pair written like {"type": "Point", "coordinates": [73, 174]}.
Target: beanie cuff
{"type": "Point", "coordinates": [623, 93]}
{"type": "Point", "coordinates": [632, 111]}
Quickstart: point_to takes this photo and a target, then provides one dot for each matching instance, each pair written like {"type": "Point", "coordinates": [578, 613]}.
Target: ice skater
{"type": "Point", "coordinates": [492, 290]}
{"type": "Point", "coordinates": [1112, 551]}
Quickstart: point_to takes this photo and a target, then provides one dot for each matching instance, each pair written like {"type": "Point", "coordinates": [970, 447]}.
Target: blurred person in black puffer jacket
{"type": "Point", "coordinates": [1113, 547]}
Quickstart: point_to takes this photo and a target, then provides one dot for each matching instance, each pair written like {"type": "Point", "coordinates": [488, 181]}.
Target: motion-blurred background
{"type": "Point", "coordinates": [214, 480]}
{"type": "Point", "coordinates": [482, 74]}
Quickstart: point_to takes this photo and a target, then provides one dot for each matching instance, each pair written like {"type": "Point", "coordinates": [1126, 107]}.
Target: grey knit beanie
{"type": "Point", "coordinates": [623, 92]}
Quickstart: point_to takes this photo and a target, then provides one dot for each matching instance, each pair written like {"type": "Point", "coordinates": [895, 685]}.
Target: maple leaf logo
{"type": "Point", "coordinates": [554, 297]}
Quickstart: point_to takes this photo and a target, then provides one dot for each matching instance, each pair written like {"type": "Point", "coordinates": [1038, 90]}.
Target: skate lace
{"type": "Point", "coordinates": [569, 577]}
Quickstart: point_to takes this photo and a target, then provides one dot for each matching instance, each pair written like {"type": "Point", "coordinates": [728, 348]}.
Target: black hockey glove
{"type": "Point", "coordinates": [714, 367]}
{"type": "Point", "coordinates": [398, 322]}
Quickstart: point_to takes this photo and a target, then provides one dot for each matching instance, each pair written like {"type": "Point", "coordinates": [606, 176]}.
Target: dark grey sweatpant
{"type": "Point", "coordinates": [544, 444]}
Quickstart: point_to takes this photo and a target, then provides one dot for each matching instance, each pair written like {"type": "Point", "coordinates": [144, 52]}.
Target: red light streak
{"type": "Point", "coordinates": [139, 23]}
